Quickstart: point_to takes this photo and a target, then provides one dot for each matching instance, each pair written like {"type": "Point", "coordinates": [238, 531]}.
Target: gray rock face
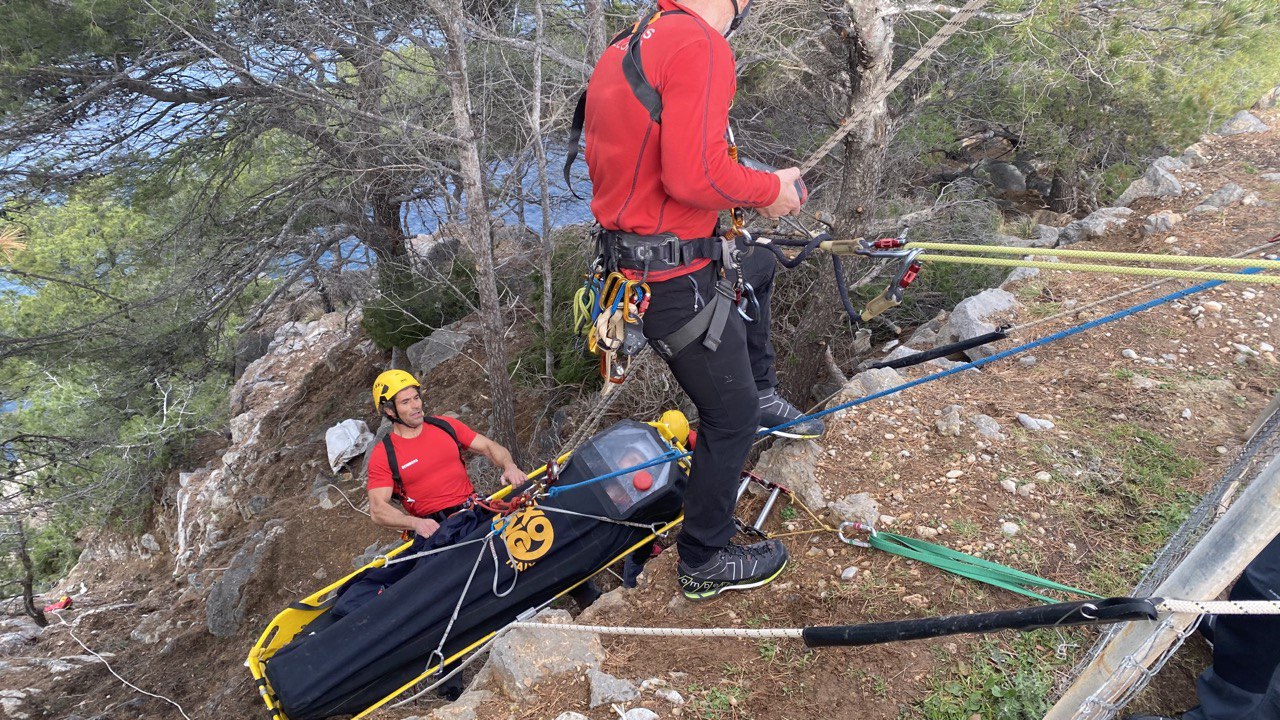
{"type": "Point", "coordinates": [949, 424]}
{"type": "Point", "coordinates": [224, 608]}
{"type": "Point", "coordinates": [970, 317]}
{"type": "Point", "coordinates": [1003, 176]}
{"type": "Point", "coordinates": [522, 658]}
{"type": "Point", "coordinates": [152, 629]}
{"type": "Point", "coordinates": [1157, 181]}
{"type": "Point", "coordinates": [1243, 122]}
{"type": "Point", "coordinates": [1160, 223]}
{"type": "Point", "coordinates": [16, 633]}
{"type": "Point", "coordinates": [439, 346]}
{"type": "Point", "coordinates": [792, 465]}
{"type": "Point", "coordinates": [606, 688]}
{"type": "Point", "coordinates": [1270, 177]}
{"type": "Point", "coordinates": [1095, 225]}
{"type": "Point", "coordinates": [858, 507]}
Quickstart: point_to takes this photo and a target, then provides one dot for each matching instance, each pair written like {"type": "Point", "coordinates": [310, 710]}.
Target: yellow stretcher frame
{"type": "Point", "coordinates": [285, 626]}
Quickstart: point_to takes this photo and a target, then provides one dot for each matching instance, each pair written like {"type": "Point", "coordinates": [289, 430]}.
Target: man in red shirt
{"type": "Point", "coordinates": [433, 482]}
{"type": "Point", "coordinates": [656, 148]}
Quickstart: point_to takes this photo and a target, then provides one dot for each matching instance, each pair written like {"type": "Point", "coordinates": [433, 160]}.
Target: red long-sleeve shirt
{"type": "Point", "coordinates": [675, 177]}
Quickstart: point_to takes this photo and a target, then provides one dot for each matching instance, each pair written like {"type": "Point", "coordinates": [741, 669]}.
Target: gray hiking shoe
{"type": "Point", "coordinates": [775, 410]}
{"type": "Point", "coordinates": [734, 567]}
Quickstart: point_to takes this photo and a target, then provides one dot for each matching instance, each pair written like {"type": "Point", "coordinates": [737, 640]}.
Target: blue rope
{"type": "Point", "coordinates": [673, 454]}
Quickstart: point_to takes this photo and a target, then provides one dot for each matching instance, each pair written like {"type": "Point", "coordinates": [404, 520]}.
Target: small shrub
{"type": "Point", "coordinates": [411, 302]}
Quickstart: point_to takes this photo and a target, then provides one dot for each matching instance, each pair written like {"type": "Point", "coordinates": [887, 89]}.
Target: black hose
{"type": "Point", "coordinates": [1089, 612]}
{"type": "Point", "coordinates": [843, 287]}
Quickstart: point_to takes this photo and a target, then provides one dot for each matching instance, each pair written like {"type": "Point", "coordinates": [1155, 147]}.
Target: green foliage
{"type": "Point", "coordinates": [412, 301]}
{"type": "Point", "coordinates": [573, 365]}
{"type": "Point", "coordinates": [1001, 681]}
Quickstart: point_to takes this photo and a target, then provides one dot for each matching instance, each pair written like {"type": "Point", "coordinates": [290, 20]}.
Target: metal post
{"type": "Point", "coordinates": [1212, 564]}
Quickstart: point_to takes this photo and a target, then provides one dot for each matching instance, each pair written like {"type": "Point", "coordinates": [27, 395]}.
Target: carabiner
{"type": "Point", "coordinates": [856, 527]}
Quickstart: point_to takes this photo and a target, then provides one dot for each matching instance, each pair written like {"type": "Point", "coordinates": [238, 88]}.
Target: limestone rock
{"type": "Point", "coordinates": [870, 382]}
{"type": "Point", "coordinates": [1095, 225]}
{"type": "Point", "coordinates": [640, 714]}
{"type": "Point", "coordinates": [523, 658]}
{"type": "Point", "coordinates": [17, 632]}
{"type": "Point", "coordinates": [1034, 424]}
{"type": "Point", "coordinates": [988, 427]}
{"type": "Point", "coordinates": [1043, 236]}
{"type": "Point", "coordinates": [1243, 122]}
{"type": "Point", "coordinates": [1017, 275]}
{"type": "Point", "coordinates": [464, 708]}
{"type": "Point", "coordinates": [1156, 182]}
{"type": "Point", "coordinates": [1226, 196]}
{"type": "Point", "coordinates": [949, 424]}
{"type": "Point", "coordinates": [970, 318]}
{"type": "Point", "coordinates": [1196, 155]}
{"type": "Point", "coordinates": [792, 465]}
{"type": "Point", "coordinates": [439, 346]}
{"type": "Point", "coordinates": [606, 605]}
{"type": "Point", "coordinates": [1270, 177]}
{"type": "Point", "coordinates": [606, 688]}
{"type": "Point", "coordinates": [571, 716]}
{"type": "Point", "coordinates": [857, 507]}
{"type": "Point", "coordinates": [1268, 100]}
{"type": "Point", "coordinates": [1003, 176]}
{"type": "Point", "coordinates": [1160, 223]}
{"type": "Point", "coordinates": [225, 606]}
{"type": "Point", "coordinates": [152, 629]}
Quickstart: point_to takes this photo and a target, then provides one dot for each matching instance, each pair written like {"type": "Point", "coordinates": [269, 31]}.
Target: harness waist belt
{"type": "Point", "coordinates": [656, 253]}
{"type": "Point", "coordinates": [441, 515]}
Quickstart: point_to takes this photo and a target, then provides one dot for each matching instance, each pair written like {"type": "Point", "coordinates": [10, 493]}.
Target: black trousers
{"type": "Point", "coordinates": [1244, 681]}
{"type": "Point", "coordinates": [724, 385]}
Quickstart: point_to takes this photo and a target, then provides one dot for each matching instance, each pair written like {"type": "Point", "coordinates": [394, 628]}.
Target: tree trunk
{"type": "Point", "coordinates": [28, 574]}
{"type": "Point", "coordinates": [478, 230]}
{"type": "Point", "coordinates": [596, 33]}
{"type": "Point", "coordinates": [868, 50]}
{"type": "Point", "coordinates": [544, 192]}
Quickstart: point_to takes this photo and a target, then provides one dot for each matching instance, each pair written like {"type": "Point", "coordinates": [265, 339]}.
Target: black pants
{"type": "Point", "coordinates": [1244, 681]}
{"type": "Point", "coordinates": [724, 385]}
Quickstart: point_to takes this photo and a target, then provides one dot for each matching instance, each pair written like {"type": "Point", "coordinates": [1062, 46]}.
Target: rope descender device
{"type": "Point", "coordinates": [908, 270]}
{"type": "Point", "coordinates": [608, 310]}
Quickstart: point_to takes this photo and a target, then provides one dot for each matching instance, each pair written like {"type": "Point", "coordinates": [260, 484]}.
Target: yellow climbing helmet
{"type": "Point", "coordinates": [389, 383]}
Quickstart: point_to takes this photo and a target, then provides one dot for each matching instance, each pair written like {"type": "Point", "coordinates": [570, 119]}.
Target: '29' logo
{"type": "Point", "coordinates": [528, 537]}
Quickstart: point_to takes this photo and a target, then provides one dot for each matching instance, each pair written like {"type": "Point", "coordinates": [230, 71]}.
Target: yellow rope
{"type": "Point", "coordinates": [1099, 255]}
{"type": "Point", "coordinates": [1110, 269]}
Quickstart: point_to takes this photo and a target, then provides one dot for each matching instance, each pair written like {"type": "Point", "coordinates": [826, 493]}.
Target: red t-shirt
{"type": "Point", "coordinates": [433, 476]}
{"type": "Point", "coordinates": [652, 178]}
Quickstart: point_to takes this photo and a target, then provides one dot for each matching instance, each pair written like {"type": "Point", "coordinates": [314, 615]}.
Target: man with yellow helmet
{"type": "Point", "coordinates": [419, 463]}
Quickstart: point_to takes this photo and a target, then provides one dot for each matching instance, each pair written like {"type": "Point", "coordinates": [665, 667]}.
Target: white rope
{"type": "Point", "coordinates": [651, 527]}
{"type": "Point", "coordinates": [111, 670]}
{"type": "Point", "coordinates": [1221, 607]}
{"type": "Point", "coordinates": [759, 633]}
{"type": "Point", "coordinates": [344, 497]}
{"type": "Point", "coordinates": [424, 553]}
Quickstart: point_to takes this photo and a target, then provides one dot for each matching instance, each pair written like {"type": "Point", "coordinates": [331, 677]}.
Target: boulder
{"type": "Point", "coordinates": [987, 427]}
{"type": "Point", "coordinates": [1243, 122]}
{"type": "Point", "coordinates": [464, 708]}
{"type": "Point", "coordinates": [1226, 196]}
{"type": "Point", "coordinates": [792, 465]}
{"type": "Point", "coordinates": [153, 628]}
{"type": "Point", "coordinates": [1268, 100]}
{"type": "Point", "coordinates": [441, 345]}
{"type": "Point", "coordinates": [606, 688]}
{"type": "Point", "coordinates": [1095, 225]}
{"type": "Point", "coordinates": [857, 507]}
{"type": "Point", "coordinates": [1196, 155]}
{"type": "Point", "coordinates": [523, 658]}
{"type": "Point", "coordinates": [1043, 236]}
{"type": "Point", "coordinates": [17, 632]}
{"type": "Point", "coordinates": [971, 318]}
{"type": "Point", "coordinates": [1003, 176]}
{"type": "Point", "coordinates": [1160, 223]}
{"type": "Point", "coordinates": [870, 382]}
{"type": "Point", "coordinates": [949, 424]}
{"type": "Point", "coordinates": [1155, 182]}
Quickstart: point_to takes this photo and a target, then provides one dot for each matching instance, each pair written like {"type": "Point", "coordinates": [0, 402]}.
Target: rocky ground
{"type": "Point", "coordinates": [1073, 461]}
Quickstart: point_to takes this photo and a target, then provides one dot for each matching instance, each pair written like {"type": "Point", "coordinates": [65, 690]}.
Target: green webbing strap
{"type": "Point", "coordinates": [972, 567]}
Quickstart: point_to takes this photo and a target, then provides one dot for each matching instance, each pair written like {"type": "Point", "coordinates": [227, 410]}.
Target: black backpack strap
{"type": "Point", "coordinates": [397, 492]}
{"type": "Point", "coordinates": [633, 71]}
{"type": "Point", "coordinates": [439, 424]}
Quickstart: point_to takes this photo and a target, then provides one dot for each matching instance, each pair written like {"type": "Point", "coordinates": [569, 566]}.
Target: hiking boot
{"type": "Point", "coordinates": [734, 567]}
{"type": "Point", "coordinates": [775, 410]}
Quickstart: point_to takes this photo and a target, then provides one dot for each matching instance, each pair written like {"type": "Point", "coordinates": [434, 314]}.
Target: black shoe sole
{"type": "Point", "coordinates": [708, 594]}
